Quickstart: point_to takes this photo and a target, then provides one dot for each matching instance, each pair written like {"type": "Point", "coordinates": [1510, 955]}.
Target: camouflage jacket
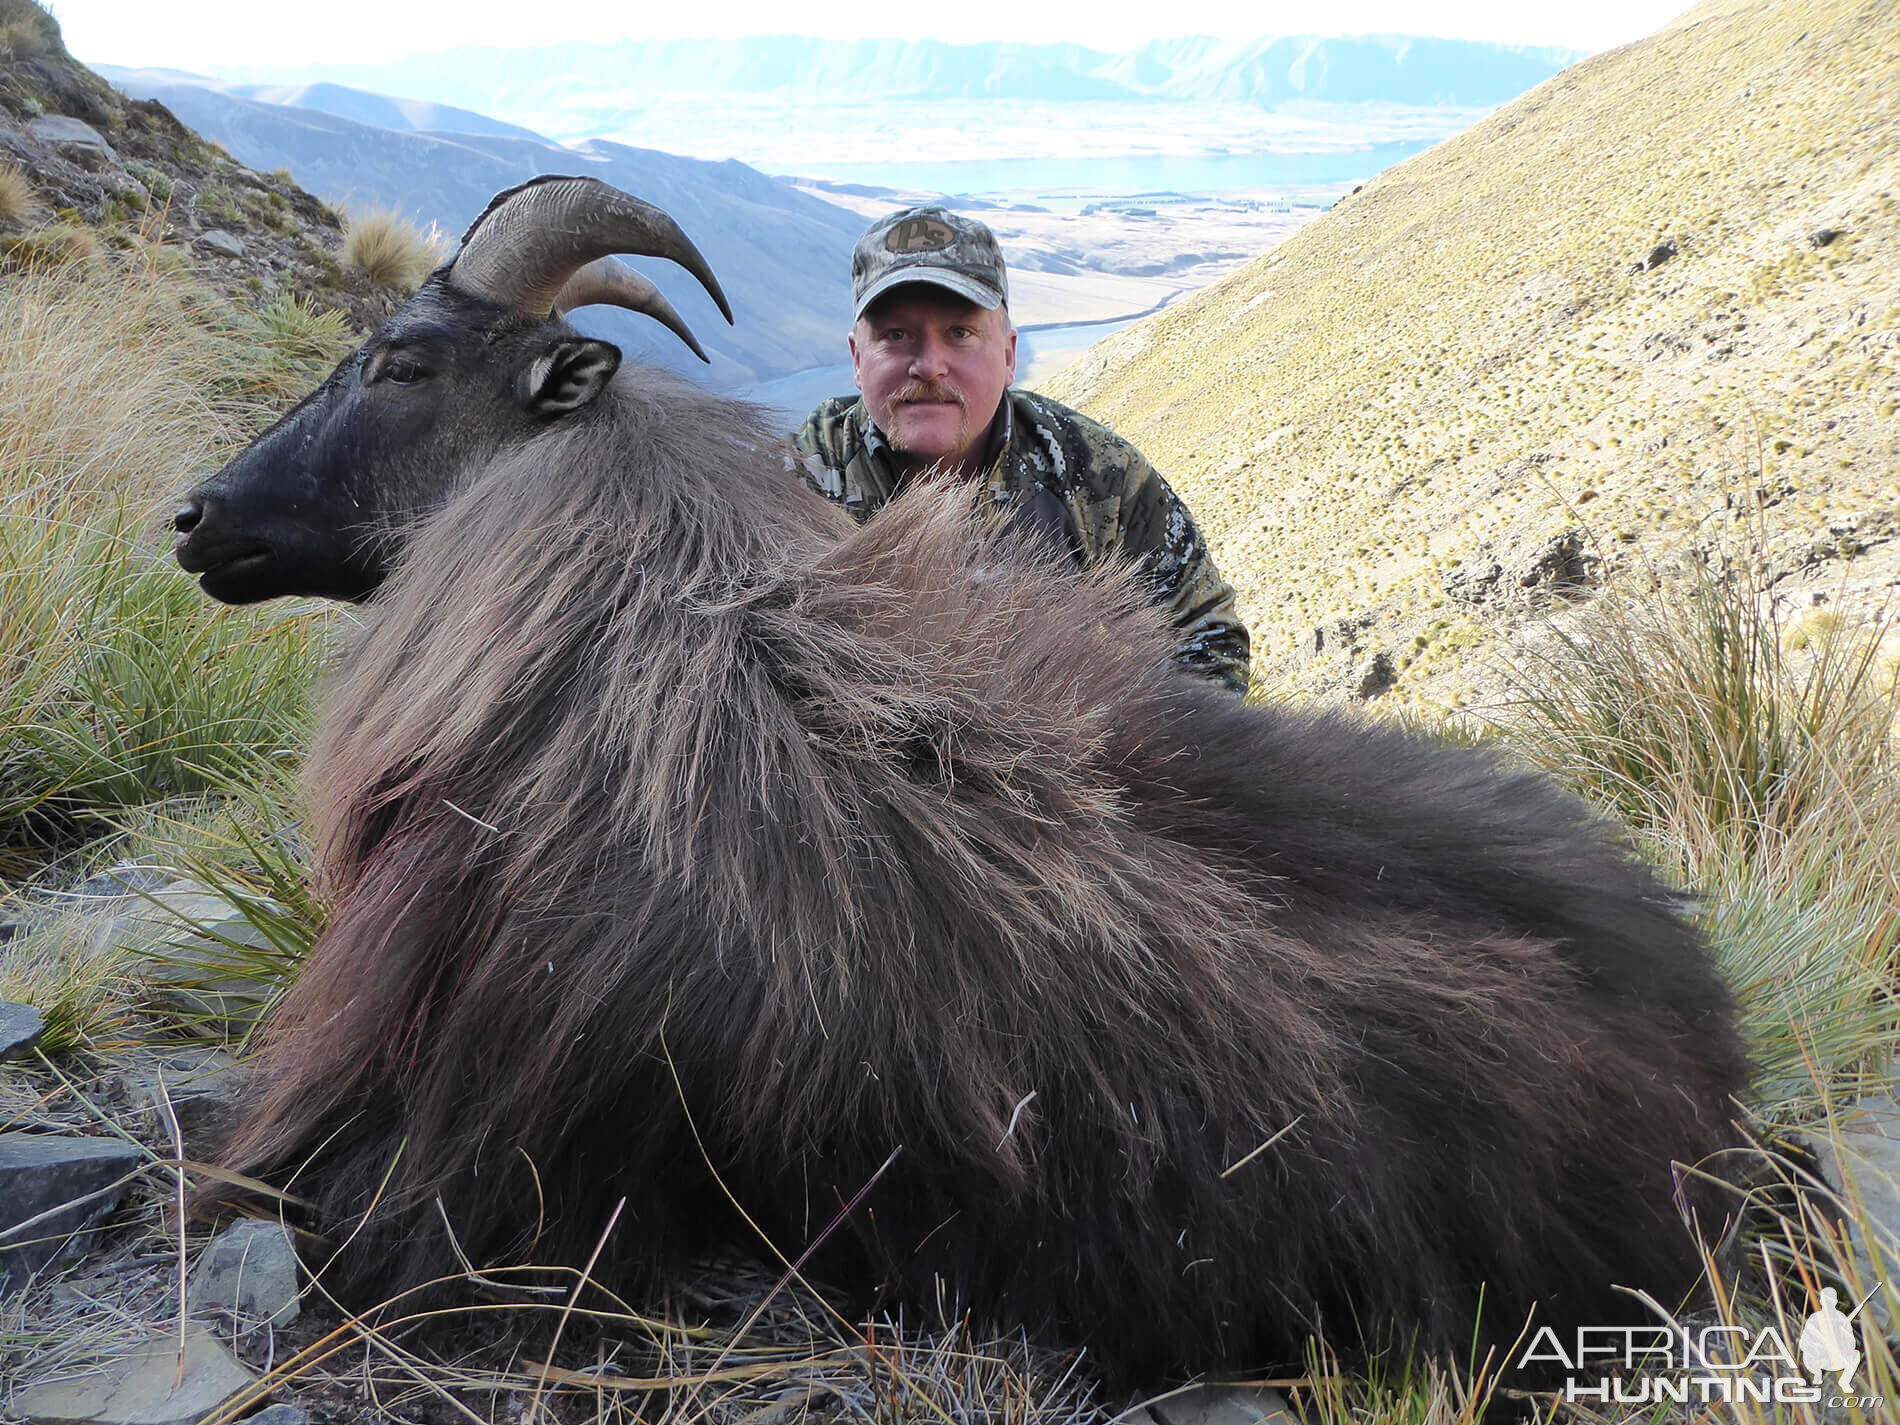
{"type": "Point", "coordinates": [1072, 476]}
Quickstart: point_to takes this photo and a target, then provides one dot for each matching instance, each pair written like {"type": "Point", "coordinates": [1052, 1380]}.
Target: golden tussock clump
{"type": "Point", "coordinates": [16, 195]}
{"type": "Point", "coordinates": [390, 250]}
{"type": "Point", "coordinates": [63, 244]}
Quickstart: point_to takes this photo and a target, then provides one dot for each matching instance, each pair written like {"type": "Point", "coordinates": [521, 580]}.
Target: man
{"type": "Point", "coordinates": [933, 354]}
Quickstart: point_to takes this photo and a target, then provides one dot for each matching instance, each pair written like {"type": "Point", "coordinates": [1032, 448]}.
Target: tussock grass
{"type": "Point", "coordinates": [119, 684]}
{"type": "Point", "coordinates": [62, 244]}
{"type": "Point", "coordinates": [1682, 712]}
{"type": "Point", "coordinates": [1762, 777]}
{"type": "Point", "coordinates": [390, 250]}
{"type": "Point", "coordinates": [16, 195]}
{"type": "Point", "coordinates": [84, 993]}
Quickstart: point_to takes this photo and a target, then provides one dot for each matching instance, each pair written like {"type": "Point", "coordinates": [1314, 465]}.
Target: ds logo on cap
{"type": "Point", "coordinates": [919, 235]}
{"type": "Point", "coordinates": [933, 246]}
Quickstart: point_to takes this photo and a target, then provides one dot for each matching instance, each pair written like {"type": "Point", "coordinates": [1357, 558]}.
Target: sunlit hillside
{"type": "Point", "coordinates": [1651, 302]}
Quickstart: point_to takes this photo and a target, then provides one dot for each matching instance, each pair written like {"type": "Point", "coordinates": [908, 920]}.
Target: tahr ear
{"type": "Point", "coordinates": [569, 374]}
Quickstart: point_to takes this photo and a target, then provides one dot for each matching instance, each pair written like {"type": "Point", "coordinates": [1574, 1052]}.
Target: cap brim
{"type": "Point", "coordinates": [981, 293]}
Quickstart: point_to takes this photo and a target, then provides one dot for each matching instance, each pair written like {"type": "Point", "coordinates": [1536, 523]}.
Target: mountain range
{"type": "Point", "coordinates": [1392, 69]}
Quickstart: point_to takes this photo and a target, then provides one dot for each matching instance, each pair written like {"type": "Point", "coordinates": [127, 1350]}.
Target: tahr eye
{"type": "Point", "coordinates": [402, 371]}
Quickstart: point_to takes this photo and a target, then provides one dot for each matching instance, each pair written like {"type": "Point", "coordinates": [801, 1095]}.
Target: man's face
{"type": "Point", "coordinates": [933, 368]}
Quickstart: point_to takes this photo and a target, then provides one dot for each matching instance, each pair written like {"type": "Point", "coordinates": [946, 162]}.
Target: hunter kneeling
{"type": "Point", "coordinates": [933, 354]}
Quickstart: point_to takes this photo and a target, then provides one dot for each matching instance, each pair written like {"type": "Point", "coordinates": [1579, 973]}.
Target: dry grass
{"type": "Point", "coordinates": [390, 250]}
{"type": "Point", "coordinates": [17, 199]}
{"type": "Point", "coordinates": [119, 685]}
{"type": "Point", "coordinates": [739, 1346]}
{"type": "Point", "coordinates": [88, 413]}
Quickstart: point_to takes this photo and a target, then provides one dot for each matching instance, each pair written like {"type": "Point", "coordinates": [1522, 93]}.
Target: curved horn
{"type": "Point", "coordinates": [530, 239]}
{"type": "Point", "coordinates": [611, 283]}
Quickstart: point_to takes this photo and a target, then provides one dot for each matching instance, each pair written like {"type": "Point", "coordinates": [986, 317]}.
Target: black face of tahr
{"type": "Point", "coordinates": [319, 504]}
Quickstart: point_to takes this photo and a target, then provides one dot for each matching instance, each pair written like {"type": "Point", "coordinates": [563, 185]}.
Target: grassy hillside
{"type": "Point", "coordinates": [1651, 303]}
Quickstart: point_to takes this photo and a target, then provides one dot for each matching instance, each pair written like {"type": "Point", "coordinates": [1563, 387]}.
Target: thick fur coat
{"type": "Point", "coordinates": [677, 828]}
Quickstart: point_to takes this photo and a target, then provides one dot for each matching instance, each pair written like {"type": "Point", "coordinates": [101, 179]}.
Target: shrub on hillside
{"type": "Point", "coordinates": [390, 250]}
{"type": "Point", "coordinates": [1762, 770]}
{"type": "Point", "coordinates": [1685, 713]}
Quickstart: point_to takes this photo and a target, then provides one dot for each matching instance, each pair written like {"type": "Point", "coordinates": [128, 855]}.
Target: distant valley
{"type": "Point", "coordinates": [1117, 182]}
{"type": "Point", "coordinates": [782, 249]}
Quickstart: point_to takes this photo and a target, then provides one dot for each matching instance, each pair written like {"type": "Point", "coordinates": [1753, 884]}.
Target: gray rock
{"type": "Point", "coordinates": [1658, 255]}
{"type": "Point", "coordinates": [1867, 1167]}
{"type": "Point", "coordinates": [1475, 580]}
{"type": "Point", "coordinates": [219, 241]}
{"type": "Point", "coordinates": [194, 943]}
{"type": "Point", "coordinates": [1375, 675]}
{"type": "Point", "coordinates": [124, 879]}
{"type": "Point", "coordinates": [136, 1387]}
{"type": "Point", "coordinates": [72, 138]}
{"type": "Point", "coordinates": [249, 1271]}
{"type": "Point", "coordinates": [20, 1028]}
{"type": "Point", "coordinates": [50, 1188]}
{"type": "Point", "coordinates": [279, 1415]}
{"type": "Point", "coordinates": [1223, 1405]}
{"type": "Point", "coordinates": [204, 1087]}
{"type": "Point", "coordinates": [1559, 565]}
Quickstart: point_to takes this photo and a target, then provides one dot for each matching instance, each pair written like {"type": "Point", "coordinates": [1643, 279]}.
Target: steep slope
{"type": "Point", "coordinates": [1648, 306]}
{"type": "Point", "coordinates": [783, 256]}
{"type": "Point", "coordinates": [94, 171]}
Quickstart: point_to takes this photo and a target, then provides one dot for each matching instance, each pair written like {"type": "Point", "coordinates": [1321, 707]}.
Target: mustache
{"type": "Point", "coordinates": [929, 391]}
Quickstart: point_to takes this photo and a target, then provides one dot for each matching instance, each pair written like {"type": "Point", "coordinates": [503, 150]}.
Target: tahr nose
{"type": "Point", "coordinates": [186, 520]}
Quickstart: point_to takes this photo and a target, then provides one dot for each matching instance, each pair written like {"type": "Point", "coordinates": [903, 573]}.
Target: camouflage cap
{"type": "Point", "coordinates": [931, 245]}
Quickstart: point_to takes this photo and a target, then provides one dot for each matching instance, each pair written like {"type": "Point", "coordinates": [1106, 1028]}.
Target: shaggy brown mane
{"type": "Point", "coordinates": [660, 803]}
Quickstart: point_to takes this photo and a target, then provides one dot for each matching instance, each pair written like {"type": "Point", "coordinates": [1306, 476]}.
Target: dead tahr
{"type": "Point", "coordinates": [687, 840]}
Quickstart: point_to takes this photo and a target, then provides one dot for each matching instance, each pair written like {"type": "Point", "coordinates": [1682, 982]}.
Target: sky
{"type": "Point", "coordinates": [204, 34]}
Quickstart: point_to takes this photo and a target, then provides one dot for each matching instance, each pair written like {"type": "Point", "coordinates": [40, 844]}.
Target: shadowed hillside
{"type": "Point", "coordinates": [1611, 327]}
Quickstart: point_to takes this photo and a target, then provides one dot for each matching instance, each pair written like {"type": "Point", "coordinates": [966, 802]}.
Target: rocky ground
{"type": "Point", "coordinates": [138, 180]}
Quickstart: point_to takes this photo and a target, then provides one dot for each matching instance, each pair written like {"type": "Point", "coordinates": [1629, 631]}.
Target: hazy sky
{"type": "Point", "coordinates": [199, 34]}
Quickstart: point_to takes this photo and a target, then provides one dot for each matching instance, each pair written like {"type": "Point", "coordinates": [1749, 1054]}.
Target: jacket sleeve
{"type": "Point", "coordinates": [1156, 525]}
